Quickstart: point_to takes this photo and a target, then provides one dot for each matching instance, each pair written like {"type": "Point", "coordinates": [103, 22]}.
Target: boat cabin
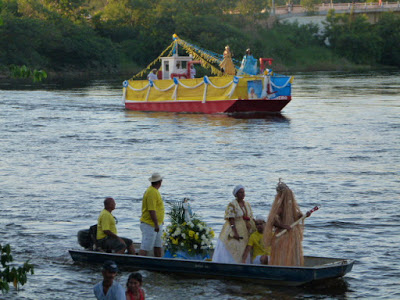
{"type": "Point", "coordinates": [176, 66]}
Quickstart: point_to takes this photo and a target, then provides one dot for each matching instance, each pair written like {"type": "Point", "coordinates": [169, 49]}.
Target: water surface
{"type": "Point", "coordinates": [64, 148]}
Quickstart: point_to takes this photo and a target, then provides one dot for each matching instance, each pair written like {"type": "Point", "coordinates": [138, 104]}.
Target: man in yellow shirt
{"type": "Point", "coordinates": [256, 243]}
{"type": "Point", "coordinates": [152, 218]}
{"type": "Point", "coordinates": [107, 234]}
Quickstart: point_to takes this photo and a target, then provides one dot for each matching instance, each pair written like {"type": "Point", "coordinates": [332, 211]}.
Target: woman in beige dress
{"type": "Point", "coordinates": [227, 63]}
{"type": "Point", "coordinates": [286, 250]}
{"type": "Point", "coordinates": [235, 233]}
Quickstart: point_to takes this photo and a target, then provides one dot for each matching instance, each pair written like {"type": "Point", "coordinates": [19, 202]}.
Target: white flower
{"type": "Point", "coordinates": [203, 237]}
{"type": "Point", "coordinates": [182, 244]}
{"type": "Point", "coordinates": [190, 224]}
{"type": "Point", "coordinates": [183, 236]}
{"type": "Point", "coordinates": [195, 246]}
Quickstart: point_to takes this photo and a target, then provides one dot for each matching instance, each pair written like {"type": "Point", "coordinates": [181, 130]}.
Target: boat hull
{"type": "Point", "coordinates": [316, 268]}
{"type": "Point", "coordinates": [211, 107]}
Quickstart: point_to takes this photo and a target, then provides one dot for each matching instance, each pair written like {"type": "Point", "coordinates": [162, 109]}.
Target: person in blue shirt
{"type": "Point", "coordinates": [108, 289]}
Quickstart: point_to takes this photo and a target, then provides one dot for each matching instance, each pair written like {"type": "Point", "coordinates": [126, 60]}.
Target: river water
{"type": "Point", "coordinates": [67, 145]}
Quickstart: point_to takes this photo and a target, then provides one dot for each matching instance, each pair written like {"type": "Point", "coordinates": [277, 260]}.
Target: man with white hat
{"type": "Point", "coordinates": [152, 218]}
{"type": "Point", "coordinates": [256, 243]}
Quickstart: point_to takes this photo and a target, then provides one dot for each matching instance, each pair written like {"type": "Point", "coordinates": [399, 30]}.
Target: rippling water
{"type": "Point", "coordinates": [336, 144]}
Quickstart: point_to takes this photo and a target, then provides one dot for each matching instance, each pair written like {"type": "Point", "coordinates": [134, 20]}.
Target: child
{"type": "Point", "coordinates": [260, 254]}
{"type": "Point", "coordinates": [134, 287]}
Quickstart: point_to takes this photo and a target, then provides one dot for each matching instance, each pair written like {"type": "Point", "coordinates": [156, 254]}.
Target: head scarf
{"type": "Point", "coordinates": [236, 189]}
{"type": "Point", "coordinates": [260, 218]}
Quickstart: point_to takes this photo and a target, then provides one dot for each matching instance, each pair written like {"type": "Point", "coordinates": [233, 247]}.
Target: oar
{"type": "Point", "coordinates": [298, 221]}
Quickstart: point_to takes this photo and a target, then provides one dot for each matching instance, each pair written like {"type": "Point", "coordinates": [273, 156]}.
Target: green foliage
{"type": "Point", "coordinates": [354, 38]}
{"type": "Point", "coordinates": [76, 35]}
{"type": "Point", "coordinates": [310, 5]}
{"type": "Point", "coordinates": [25, 72]}
{"type": "Point", "coordinates": [388, 28]}
{"type": "Point", "coordinates": [10, 274]}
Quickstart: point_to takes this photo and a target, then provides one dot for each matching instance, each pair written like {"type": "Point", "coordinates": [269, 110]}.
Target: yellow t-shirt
{"type": "Point", "coordinates": [106, 221]}
{"type": "Point", "coordinates": [152, 201]}
{"type": "Point", "coordinates": [256, 241]}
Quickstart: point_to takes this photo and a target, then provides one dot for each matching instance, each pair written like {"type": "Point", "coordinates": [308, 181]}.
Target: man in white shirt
{"type": "Point", "coordinates": [152, 75]}
{"type": "Point", "coordinates": [108, 289]}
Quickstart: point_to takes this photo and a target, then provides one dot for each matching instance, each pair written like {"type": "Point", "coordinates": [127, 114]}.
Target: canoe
{"type": "Point", "coordinates": [315, 268]}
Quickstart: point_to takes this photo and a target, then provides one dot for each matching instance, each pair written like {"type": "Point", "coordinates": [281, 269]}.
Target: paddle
{"type": "Point", "coordinates": [298, 221]}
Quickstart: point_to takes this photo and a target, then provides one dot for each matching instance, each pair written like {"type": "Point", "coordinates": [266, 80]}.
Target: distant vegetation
{"type": "Point", "coordinates": [62, 36]}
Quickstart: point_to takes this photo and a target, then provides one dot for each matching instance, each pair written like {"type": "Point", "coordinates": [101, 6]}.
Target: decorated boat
{"type": "Point", "coordinates": [173, 86]}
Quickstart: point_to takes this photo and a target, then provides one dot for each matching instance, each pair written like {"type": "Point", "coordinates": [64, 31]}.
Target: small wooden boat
{"type": "Point", "coordinates": [315, 268]}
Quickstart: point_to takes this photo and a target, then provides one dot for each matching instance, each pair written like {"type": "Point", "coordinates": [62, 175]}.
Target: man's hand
{"type": "Point", "coordinates": [156, 228]}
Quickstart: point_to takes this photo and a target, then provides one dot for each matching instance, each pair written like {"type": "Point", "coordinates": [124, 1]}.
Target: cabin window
{"type": "Point", "coordinates": [184, 65]}
{"type": "Point", "coordinates": [166, 66]}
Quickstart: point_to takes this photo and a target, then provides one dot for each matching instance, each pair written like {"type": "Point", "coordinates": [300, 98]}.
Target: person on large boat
{"type": "Point", "coordinates": [108, 288]}
{"type": "Point", "coordinates": [152, 75]}
{"type": "Point", "coordinates": [227, 63]}
{"type": "Point", "coordinates": [152, 219]}
{"type": "Point", "coordinates": [286, 250]}
{"type": "Point", "coordinates": [107, 234]}
{"type": "Point", "coordinates": [192, 71]}
{"type": "Point", "coordinates": [249, 64]}
{"type": "Point", "coordinates": [134, 289]}
{"type": "Point", "coordinates": [256, 244]}
{"type": "Point", "coordinates": [235, 233]}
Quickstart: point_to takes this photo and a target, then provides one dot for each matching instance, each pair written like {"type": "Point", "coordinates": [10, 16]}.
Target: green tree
{"type": "Point", "coordinates": [388, 28]}
{"type": "Point", "coordinates": [353, 37]}
{"type": "Point", "coordinates": [10, 274]}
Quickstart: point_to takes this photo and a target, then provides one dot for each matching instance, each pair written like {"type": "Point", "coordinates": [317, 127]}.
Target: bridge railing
{"type": "Point", "coordinates": [340, 7]}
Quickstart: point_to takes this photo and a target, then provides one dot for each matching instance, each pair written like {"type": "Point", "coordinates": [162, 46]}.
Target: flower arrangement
{"type": "Point", "coordinates": [187, 237]}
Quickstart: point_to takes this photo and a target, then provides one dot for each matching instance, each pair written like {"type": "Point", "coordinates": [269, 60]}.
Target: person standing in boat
{"type": "Point", "coordinates": [286, 250]}
{"type": "Point", "coordinates": [227, 63]}
{"type": "Point", "coordinates": [108, 288]}
{"type": "Point", "coordinates": [152, 75]}
{"type": "Point", "coordinates": [107, 234]}
{"type": "Point", "coordinates": [249, 64]}
{"type": "Point", "coordinates": [235, 233]}
{"type": "Point", "coordinates": [152, 219]}
{"type": "Point", "coordinates": [192, 71]}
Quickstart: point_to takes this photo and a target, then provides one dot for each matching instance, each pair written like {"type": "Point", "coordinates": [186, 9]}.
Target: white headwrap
{"type": "Point", "coordinates": [236, 189]}
{"type": "Point", "coordinates": [260, 218]}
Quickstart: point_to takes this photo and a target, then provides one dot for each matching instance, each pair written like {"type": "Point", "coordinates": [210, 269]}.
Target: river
{"type": "Point", "coordinates": [67, 145]}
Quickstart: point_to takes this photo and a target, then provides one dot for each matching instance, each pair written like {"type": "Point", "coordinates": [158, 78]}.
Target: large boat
{"type": "Point", "coordinates": [175, 90]}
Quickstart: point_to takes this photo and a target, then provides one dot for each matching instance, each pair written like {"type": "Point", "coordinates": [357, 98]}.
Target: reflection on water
{"type": "Point", "coordinates": [336, 144]}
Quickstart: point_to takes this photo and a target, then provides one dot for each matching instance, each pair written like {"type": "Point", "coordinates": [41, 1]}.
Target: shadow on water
{"type": "Point", "coordinates": [209, 119]}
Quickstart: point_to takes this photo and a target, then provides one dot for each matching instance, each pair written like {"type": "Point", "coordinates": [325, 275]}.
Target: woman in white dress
{"type": "Point", "coordinates": [236, 231]}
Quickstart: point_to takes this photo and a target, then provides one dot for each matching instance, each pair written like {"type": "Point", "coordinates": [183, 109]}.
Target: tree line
{"type": "Point", "coordinates": [125, 35]}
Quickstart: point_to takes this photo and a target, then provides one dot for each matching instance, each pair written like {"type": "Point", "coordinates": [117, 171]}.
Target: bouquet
{"type": "Point", "coordinates": [187, 237]}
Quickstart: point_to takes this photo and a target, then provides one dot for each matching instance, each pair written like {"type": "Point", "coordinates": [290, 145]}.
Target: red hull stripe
{"type": "Point", "coordinates": [211, 107]}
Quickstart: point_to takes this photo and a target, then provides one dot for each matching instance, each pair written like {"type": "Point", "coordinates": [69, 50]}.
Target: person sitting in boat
{"type": "Point", "coordinates": [152, 75]}
{"type": "Point", "coordinates": [286, 250]}
{"type": "Point", "coordinates": [107, 234]}
{"type": "Point", "coordinates": [134, 289]}
{"type": "Point", "coordinates": [249, 64]}
{"type": "Point", "coordinates": [256, 244]}
{"type": "Point", "coordinates": [152, 219]}
{"type": "Point", "coordinates": [108, 288]}
{"type": "Point", "coordinates": [227, 64]}
{"type": "Point", "coordinates": [235, 233]}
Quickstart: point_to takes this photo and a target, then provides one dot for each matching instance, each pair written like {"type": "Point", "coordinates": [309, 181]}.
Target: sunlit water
{"type": "Point", "coordinates": [63, 149]}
